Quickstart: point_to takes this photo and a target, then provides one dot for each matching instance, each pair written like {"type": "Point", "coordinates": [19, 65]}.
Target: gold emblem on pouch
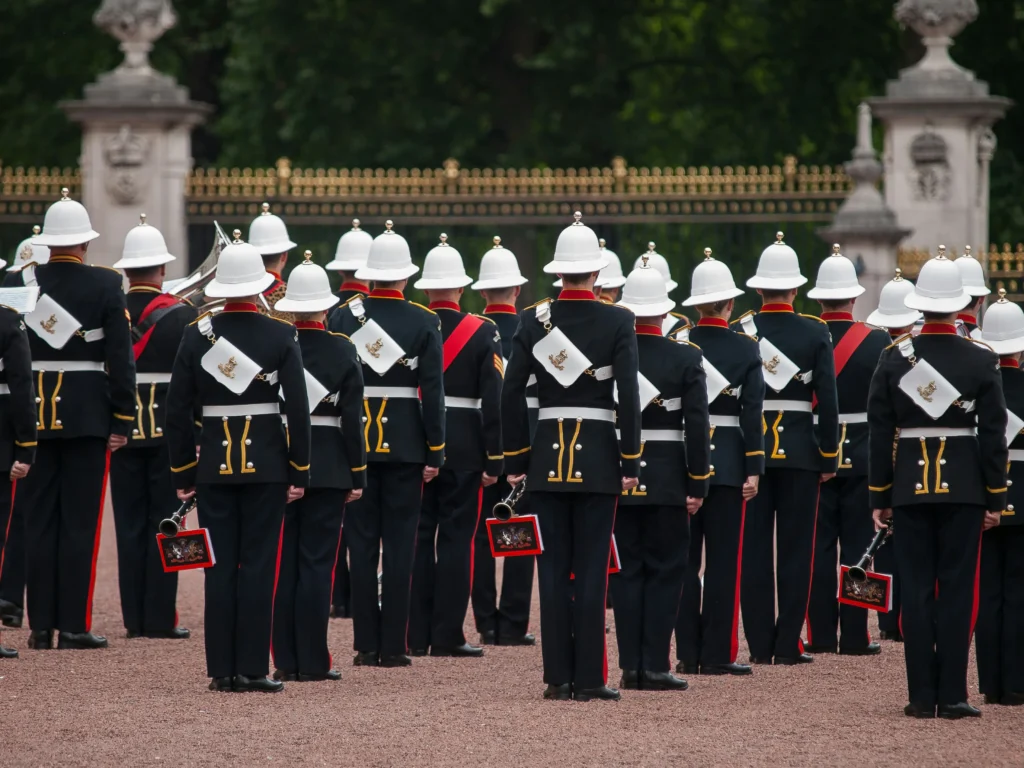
{"type": "Point", "coordinates": [771, 365]}
{"type": "Point", "coordinates": [228, 368]}
{"type": "Point", "coordinates": [375, 348]}
{"type": "Point", "coordinates": [557, 360]}
{"type": "Point", "coordinates": [927, 391]}
{"type": "Point", "coordinates": [47, 325]}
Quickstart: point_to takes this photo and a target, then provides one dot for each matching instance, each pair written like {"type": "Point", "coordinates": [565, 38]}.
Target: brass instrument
{"type": "Point", "coordinates": [505, 508]}
{"type": "Point", "coordinates": [858, 572]}
{"type": "Point", "coordinates": [192, 287]}
{"type": "Point", "coordinates": [175, 524]}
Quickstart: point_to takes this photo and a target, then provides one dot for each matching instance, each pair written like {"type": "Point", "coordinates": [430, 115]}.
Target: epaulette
{"type": "Point", "coordinates": [896, 343]}
{"type": "Point", "coordinates": [205, 314]}
{"type": "Point", "coordinates": [425, 309]}
{"type": "Point", "coordinates": [979, 341]}
{"type": "Point", "coordinates": [748, 313]}
{"type": "Point", "coordinates": [353, 298]}
{"type": "Point", "coordinates": [104, 266]}
{"type": "Point", "coordinates": [813, 317]}
{"type": "Point", "coordinates": [334, 333]}
{"type": "Point", "coordinates": [681, 317]}
{"type": "Point", "coordinates": [537, 304]}
{"type": "Point", "coordinates": [746, 336]}
{"type": "Point", "coordinates": [482, 317]}
{"type": "Point", "coordinates": [619, 306]}
{"type": "Point", "coordinates": [280, 320]}
{"type": "Point", "coordinates": [687, 341]}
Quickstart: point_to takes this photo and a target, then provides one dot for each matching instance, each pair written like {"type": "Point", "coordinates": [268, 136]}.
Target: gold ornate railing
{"type": "Point", "coordinates": [25, 193]}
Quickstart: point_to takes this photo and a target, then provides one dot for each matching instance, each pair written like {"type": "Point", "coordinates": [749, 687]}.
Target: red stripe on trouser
{"type": "Point", "coordinates": [734, 634]}
{"type": "Point", "coordinates": [412, 570]}
{"type": "Point", "coordinates": [277, 574]}
{"type": "Point", "coordinates": [337, 554]}
{"type": "Point", "coordinates": [472, 542]}
{"type": "Point", "coordinates": [604, 596]}
{"type": "Point", "coordinates": [7, 528]}
{"type": "Point", "coordinates": [977, 588]}
{"type": "Point", "coordinates": [810, 584]}
{"type": "Point", "coordinates": [96, 546]}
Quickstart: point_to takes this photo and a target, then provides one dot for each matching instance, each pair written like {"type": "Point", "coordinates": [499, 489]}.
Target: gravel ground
{"type": "Point", "coordinates": [144, 702]}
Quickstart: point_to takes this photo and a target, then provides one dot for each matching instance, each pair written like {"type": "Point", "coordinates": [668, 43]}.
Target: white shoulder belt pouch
{"type": "Point", "coordinates": [926, 387]}
{"type": "Point", "coordinates": [717, 383]}
{"type": "Point", "coordinates": [230, 366]}
{"type": "Point", "coordinates": [556, 353]}
{"type": "Point", "coordinates": [315, 391]}
{"type": "Point", "coordinates": [375, 347]}
{"type": "Point", "coordinates": [779, 370]}
{"type": "Point", "coordinates": [51, 322]}
{"type": "Point", "coordinates": [1014, 424]}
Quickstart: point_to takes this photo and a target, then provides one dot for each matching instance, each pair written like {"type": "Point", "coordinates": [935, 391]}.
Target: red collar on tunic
{"type": "Point", "coordinates": [648, 330]}
{"type": "Point", "coordinates": [826, 316]}
{"type": "Point", "coordinates": [712, 322]}
{"type": "Point", "coordinates": [310, 325]}
{"type": "Point", "coordinates": [777, 306]}
{"type": "Point", "coordinates": [573, 294]}
{"type": "Point", "coordinates": [386, 293]}
{"type": "Point", "coordinates": [500, 309]}
{"type": "Point", "coordinates": [240, 306]}
{"type": "Point", "coordinates": [931, 329]}
{"type": "Point", "coordinates": [445, 305]}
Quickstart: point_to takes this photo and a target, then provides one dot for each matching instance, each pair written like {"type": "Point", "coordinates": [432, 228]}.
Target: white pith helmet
{"type": "Point", "coordinates": [268, 234]}
{"type": "Point", "coordinates": [611, 276]}
{"type": "Point", "coordinates": [240, 272]}
{"type": "Point", "coordinates": [972, 274]}
{"type": "Point", "coordinates": [645, 293]}
{"type": "Point", "coordinates": [577, 251]}
{"type": "Point", "coordinates": [712, 282]}
{"type": "Point", "coordinates": [389, 258]}
{"type": "Point", "coordinates": [66, 223]}
{"type": "Point", "coordinates": [353, 248]}
{"type": "Point", "coordinates": [660, 263]}
{"type": "Point", "coordinates": [939, 287]}
{"type": "Point", "coordinates": [144, 246]}
{"type": "Point", "coordinates": [499, 269]}
{"type": "Point", "coordinates": [837, 279]}
{"type": "Point", "coordinates": [778, 269]}
{"type": "Point", "coordinates": [1003, 326]}
{"type": "Point", "coordinates": [308, 289]}
{"type": "Point", "coordinates": [29, 252]}
{"type": "Point", "coordinates": [892, 312]}
{"type": "Point", "coordinates": [443, 268]}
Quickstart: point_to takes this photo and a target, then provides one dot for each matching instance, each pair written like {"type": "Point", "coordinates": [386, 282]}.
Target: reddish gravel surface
{"type": "Point", "coordinates": [144, 702]}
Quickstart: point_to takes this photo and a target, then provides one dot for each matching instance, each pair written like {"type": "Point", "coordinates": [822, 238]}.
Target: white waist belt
{"type": "Point", "coordinates": [253, 409]}
{"type": "Point", "coordinates": [802, 406]}
{"type": "Point", "coordinates": [152, 378]}
{"type": "Point", "coordinates": [849, 418]}
{"type": "Point", "coordinates": [725, 421]}
{"type": "Point", "coordinates": [601, 374]}
{"type": "Point", "coordinates": [409, 393]}
{"type": "Point", "coordinates": [590, 414]}
{"type": "Point", "coordinates": [661, 435]}
{"type": "Point", "coordinates": [920, 432]}
{"type": "Point", "coordinates": [6, 390]}
{"type": "Point", "coordinates": [66, 366]}
{"type": "Point", "coordinates": [1017, 455]}
{"type": "Point", "coordinates": [463, 402]}
{"type": "Point", "coordinates": [96, 334]}
{"type": "Point", "coordinates": [317, 421]}
{"type": "Point", "coordinates": [533, 402]}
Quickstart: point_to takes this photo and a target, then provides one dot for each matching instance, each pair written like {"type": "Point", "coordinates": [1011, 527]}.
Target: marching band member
{"type": "Point", "coordinates": [674, 321]}
{"type": "Point", "coordinates": [337, 474]}
{"type": "Point", "coordinates": [141, 485]}
{"type": "Point", "coordinates": [610, 279]}
{"type": "Point", "coordinates": [576, 468]}
{"type": "Point", "coordinates": [473, 368]}
{"type": "Point", "coordinates": [652, 527]}
{"type": "Point", "coordinates": [85, 407]}
{"type": "Point", "coordinates": [232, 365]}
{"type": "Point", "coordinates": [973, 276]}
{"type": "Point", "coordinates": [1000, 628]}
{"type": "Point", "coordinates": [844, 517]}
{"type": "Point", "coordinates": [707, 628]}
{"type": "Point", "coordinates": [939, 396]}
{"type": "Point", "coordinates": [269, 235]}
{"type": "Point", "coordinates": [505, 622]}
{"type": "Point", "coordinates": [399, 343]}
{"type": "Point", "coordinates": [796, 355]}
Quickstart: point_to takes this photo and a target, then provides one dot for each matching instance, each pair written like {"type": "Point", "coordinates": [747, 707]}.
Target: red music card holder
{"type": "Point", "coordinates": [186, 551]}
{"type": "Point", "coordinates": [874, 593]}
{"type": "Point", "coordinates": [515, 537]}
{"type": "Point", "coordinates": [614, 564]}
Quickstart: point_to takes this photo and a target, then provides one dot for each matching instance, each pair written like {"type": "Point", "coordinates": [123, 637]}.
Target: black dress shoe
{"type": "Point", "coordinates": [1012, 699]}
{"type": "Point", "coordinates": [630, 680]}
{"type": "Point", "coordinates": [8, 653]}
{"type": "Point", "coordinates": [366, 659]}
{"type": "Point", "coordinates": [417, 651]}
{"type": "Point", "coordinates": [285, 677]}
{"type": "Point", "coordinates": [820, 648]}
{"type": "Point", "coordinates": [760, 659]}
{"type": "Point", "coordinates": [789, 661]}
{"type": "Point", "coordinates": [725, 669]}
{"type": "Point", "coordinates": [921, 712]}
{"type": "Point", "coordinates": [871, 649]}
{"type": "Point", "coordinates": [662, 681]}
{"type": "Point", "coordinates": [558, 692]}
{"type": "Point", "coordinates": [177, 633]}
{"type": "Point", "coordinates": [222, 684]}
{"type": "Point", "coordinates": [341, 612]}
{"type": "Point", "coordinates": [40, 639]}
{"type": "Point", "coordinates": [331, 674]}
{"type": "Point", "coordinates": [603, 693]}
{"type": "Point", "coordinates": [992, 699]}
{"type": "Point", "coordinates": [687, 669]}
{"type": "Point", "coordinates": [396, 660]}
{"type": "Point", "coordinates": [526, 639]}
{"type": "Point", "coordinates": [11, 615]}
{"type": "Point", "coordinates": [462, 651]}
{"type": "Point", "coordinates": [957, 711]}
{"type": "Point", "coordinates": [80, 641]}
{"type": "Point", "coordinates": [490, 637]}
{"type": "Point", "coordinates": [895, 637]}
{"type": "Point", "coordinates": [257, 684]}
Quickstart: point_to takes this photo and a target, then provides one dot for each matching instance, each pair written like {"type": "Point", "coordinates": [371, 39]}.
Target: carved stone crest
{"type": "Point", "coordinates": [125, 154]}
{"type": "Point", "coordinates": [931, 177]}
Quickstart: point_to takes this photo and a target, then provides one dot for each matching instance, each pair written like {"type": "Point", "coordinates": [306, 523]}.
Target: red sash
{"type": "Point", "coordinates": [162, 301]}
{"type": "Point", "coordinates": [845, 348]}
{"type": "Point", "coordinates": [460, 337]}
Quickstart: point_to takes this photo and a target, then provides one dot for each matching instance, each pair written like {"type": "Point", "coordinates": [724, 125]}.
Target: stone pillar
{"type": "Point", "coordinates": [938, 137]}
{"type": "Point", "coordinates": [136, 137]}
{"type": "Point", "coordinates": [864, 226]}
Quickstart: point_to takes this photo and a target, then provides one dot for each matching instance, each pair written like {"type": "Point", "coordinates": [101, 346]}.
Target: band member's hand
{"type": "Point", "coordinates": [295, 493]}
{"type": "Point", "coordinates": [19, 470]}
{"type": "Point", "coordinates": [354, 495]}
{"type": "Point", "coordinates": [184, 494]}
{"type": "Point", "coordinates": [488, 480]}
{"type": "Point", "coordinates": [515, 480]}
{"type": "Point", "coordinates": [992, 519]}
{"type": "Point", "coordinates": [750, 487]}
{"type": "Point", "coordinates": [116, 441]}
{"type": "Point", "coordinates": [693, 504]}
{"type": "Point", "coordinates": [881, 518]}
{"type": "Point", "coordinates": [630, 482]}
{"type": "Point", "coordinates": [429, 473]}
{"type": "Point", "coordinates": [826, 476]}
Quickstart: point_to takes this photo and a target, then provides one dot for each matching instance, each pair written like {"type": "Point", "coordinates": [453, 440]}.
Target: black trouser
{"type": "Point", "coordinates": [63, 507]}
{"type": "Point", "coordinates": [786, 502]}
{"type": "Point", "coordinates": [12, 551]}
{"type": "Point", "coordinates": [577, 532]}
{"type": "Point", "coordinates": [1000, 632]}
{"type": "Point", "coordinates": [885, 562]}
{"type": "Point", "coordinates": [844, 523]}
{"type": "Point", "coordinates": [707, 630]}
{"type": "Point", "coordinates": [386, 515]}
{"type": "Point", "coordinates": [443, 570]}
{"type": "Point", "coordinates": [653, 542]}
{"type": "Point", "coordinates": [302, 601]}
{"type": "Point", "coordinates": [509, 618]}
{"type": "Point", "coordinates": [342, 592]}
{"type": "Point", "coordinates": [143, 495]}
{"type": "Point", "coordinates": [938, 555]}
{"type": "Point", "coordinates": [245, 526]}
